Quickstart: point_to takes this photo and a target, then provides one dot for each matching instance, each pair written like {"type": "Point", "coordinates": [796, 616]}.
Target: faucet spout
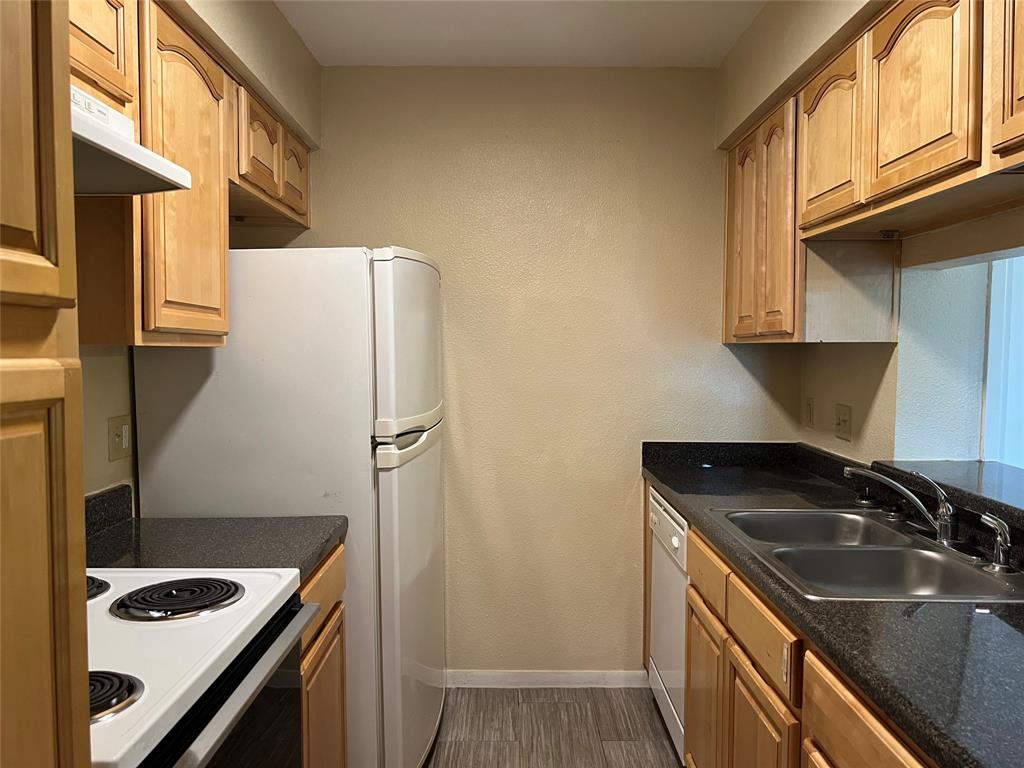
{"type": "Point", "coordinates": [899, 488]}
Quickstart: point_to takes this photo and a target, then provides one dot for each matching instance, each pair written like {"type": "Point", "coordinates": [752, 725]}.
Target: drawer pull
{"type": "Point", "coordinates": [785, 662]}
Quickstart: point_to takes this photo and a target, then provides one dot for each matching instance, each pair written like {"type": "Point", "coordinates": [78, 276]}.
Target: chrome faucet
{"type": "Point", "coordinates": [1001, 556]}
{"type": "Point", "coordinates": [943, 521]}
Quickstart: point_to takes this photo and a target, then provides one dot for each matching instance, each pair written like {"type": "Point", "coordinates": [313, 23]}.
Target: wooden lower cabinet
{"type": "Point", "coordinates": [755, 699]}
{"type": "Point", "coordinates": [706, 639]}
{"type": "Point", "coordinates": [841, 729]}
{"type": "Point", "coordinates": [760, 731]}
{"type": "Point", "coordinates": [323, 695]}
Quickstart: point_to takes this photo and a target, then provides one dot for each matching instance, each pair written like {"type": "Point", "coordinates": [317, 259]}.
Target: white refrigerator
{"type": "Point", "coordinates": [326, 400]}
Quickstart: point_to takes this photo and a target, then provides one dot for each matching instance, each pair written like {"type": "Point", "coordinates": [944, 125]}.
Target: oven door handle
{"type": "Point", "coordinates": [216, 731]}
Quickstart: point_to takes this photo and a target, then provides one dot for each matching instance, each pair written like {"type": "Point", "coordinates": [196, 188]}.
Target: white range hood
{"type": "Point", "coordinates": [108, 160]}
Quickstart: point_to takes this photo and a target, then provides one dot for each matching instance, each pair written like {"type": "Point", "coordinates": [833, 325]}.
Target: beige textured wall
{"type": "Point", "coordinates": [255, 37]}
{"type": "Point", "coordinates": [106, 392]}
{"type": "Point", "coordinates": [578, 218]}
{"type": "Point", "coordinates": [862, 376]}
{"type": "Point", "coordinates": [779, 48]}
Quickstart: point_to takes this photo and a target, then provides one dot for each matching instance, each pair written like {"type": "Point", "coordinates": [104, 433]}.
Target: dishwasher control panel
{"type": "Point", "coordinates": [668, 527]}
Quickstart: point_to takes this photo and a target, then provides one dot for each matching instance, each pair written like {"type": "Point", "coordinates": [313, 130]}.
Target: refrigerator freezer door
{"type": "Point", "coordinates": [407, 328]}
{"type": "Point", "coordinates": [412, 594]}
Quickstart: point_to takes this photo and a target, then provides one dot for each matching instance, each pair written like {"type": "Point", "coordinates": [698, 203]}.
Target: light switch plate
{"type": "Point", "coordinates": [844, 422]}
{"type": "Point", "coordinates": [119, 438]}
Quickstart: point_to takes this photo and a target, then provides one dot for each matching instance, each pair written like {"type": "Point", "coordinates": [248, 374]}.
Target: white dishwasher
{"type": "Point", "coordinates": [667, 664]}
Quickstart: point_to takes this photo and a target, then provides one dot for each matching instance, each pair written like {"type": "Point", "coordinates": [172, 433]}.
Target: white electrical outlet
{"type": "Point", "coordinates": [119, 438]}
{"type": "Point", "coordinates": [844, 422]}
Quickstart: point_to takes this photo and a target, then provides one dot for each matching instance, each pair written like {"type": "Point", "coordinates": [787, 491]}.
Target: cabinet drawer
{"type": "Point", "coordinates": [840, 731]}
{"type": "Point", "coordinates": [708, 572]}
{"type": "Point", "coordinates": [259, 145]}
{"type": "Point", "coordinates": [325, 587]}
{"type": "Point", "coordinates": [769, 643]}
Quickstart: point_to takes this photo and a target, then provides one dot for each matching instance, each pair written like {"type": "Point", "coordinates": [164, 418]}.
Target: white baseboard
{"type": "Point", "coordinates": [547, 678]}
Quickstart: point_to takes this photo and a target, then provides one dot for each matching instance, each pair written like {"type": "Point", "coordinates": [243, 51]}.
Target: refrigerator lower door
{"type": "Point", "coordinates": [412, 594]}
{"type": "Point", "coordinates": [407, 335]}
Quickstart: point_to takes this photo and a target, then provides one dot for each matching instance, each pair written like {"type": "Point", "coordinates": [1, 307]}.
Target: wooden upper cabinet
{"type": "Point", "coordinates": [760, 731]}
{"type": "Point", "coordinates": [741, 264]}
{"type": "Point", "coordinates": [185, 264]}
{"type": "Point", "coordinates": [1007, 68]}
{"type": "Point", "coordinates": [260, 145]}
{"type": "Point", "coordinates": [923, 94]}
{"type": "Point", "coordinates": [839, 731]}
{"type": "Point", "coordinates": [776, 254]}
{"type": "Point", "coordinates": [706, 639]}
{"type": "Point", "coordinates": [829, 128]}
{"type": "Point", "coordinates": [295, 175]}
{"type": "Point", "coordinates": [37, 231]}
{"type": "Point", "coordinates": [103, 42]}
{"type": "Point", "coordinates": [761, 250]}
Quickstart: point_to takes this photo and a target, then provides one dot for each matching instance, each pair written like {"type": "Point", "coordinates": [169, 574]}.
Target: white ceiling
{"type": "Point", "coordinates": [520, 33]}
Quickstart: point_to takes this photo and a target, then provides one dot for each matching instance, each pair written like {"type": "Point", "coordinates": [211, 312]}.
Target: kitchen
{"type": "Point", "coordinates": [581, 197]}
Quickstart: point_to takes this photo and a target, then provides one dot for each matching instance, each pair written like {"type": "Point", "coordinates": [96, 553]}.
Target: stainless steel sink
{"type": "Point", "coordinates": [812, 527]}
{"type": "Point", "coordinates": [853, 554]}
{"type": "Point", "coordinates": [891, 573]}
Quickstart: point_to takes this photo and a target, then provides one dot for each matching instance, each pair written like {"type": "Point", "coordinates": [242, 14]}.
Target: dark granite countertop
{"type": "Point", "coordinates": [950, 675]}
{"type": "Point", "coordinates": [982, 486]}
{"type": "Point", "coordinates": [217, 542]}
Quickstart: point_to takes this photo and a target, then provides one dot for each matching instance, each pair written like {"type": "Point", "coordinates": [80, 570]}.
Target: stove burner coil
{"type": "Point", "coordinates": [95, 587]}
{"type": "Point", "coordinates": [178, 599]}
{"type": "Point", "coordinates": [110, 693]}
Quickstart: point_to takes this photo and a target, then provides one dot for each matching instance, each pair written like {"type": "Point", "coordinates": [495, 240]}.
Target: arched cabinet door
{"type": "Point", "coordinates": [186, 232]}
{"type": "Point", "coordinates": [829, 128]}
{"type": "Point", "coordinates": [776, 256]}
{"type": "Point", "coordinates": [1008, 79]}
{"type": "Point", "coordinates": [923, 94]}
{"type": "Point", "coordinates": [741, 260]}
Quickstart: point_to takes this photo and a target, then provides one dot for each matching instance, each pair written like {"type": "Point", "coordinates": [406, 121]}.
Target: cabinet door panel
{"type": "Point", "coordinates": [295, 175]}
{"type": "Point", "coordinates": [185, 259]}
{"type": "Point", "coordinates": [842, 727]}
{"type": "Point", "coordinates": [776, 256]}
{"type": "Point", "coordinates": [761, 732]}
{"type": "Point", "coordinates": [37, 251]}
{"type": "Point", "coordinates": [829, 134]}
{"type": "Point", "coordinates": [103, 34]}
{"type": "Point", "coordinates": [743, 236]}
{"type": "Point", "coordinates": [323, 696]}
{"type": "Point", "coordinates": [1007, 75]}
{"type": "Point", "coordinates": [260, 153]}
{"type": "Point", "coordinates": [923, 93]}
{"type": "Point", "coordinates": [42, 628]}
{"type": "Point", "coordinates": [811, 757]}
{"type": "Point", "coordinates": [705, 664]}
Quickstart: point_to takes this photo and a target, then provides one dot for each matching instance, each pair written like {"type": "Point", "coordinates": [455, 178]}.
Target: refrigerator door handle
{"type": "Point", "coordinates": [392, 456]}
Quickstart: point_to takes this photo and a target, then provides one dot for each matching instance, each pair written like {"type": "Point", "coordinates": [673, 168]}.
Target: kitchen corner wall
{"type": "Point", "coordinates": [578, 217]}
{"type": "Point", "coordinates": [106, 384]}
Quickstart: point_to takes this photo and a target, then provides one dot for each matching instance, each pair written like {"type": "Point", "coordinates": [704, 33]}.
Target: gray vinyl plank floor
{"type": "Point", "coordinates": [552, 728]}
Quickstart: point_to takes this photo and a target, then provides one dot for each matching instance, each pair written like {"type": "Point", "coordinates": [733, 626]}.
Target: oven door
{"type": "Point", "coordinates": [259, 724]}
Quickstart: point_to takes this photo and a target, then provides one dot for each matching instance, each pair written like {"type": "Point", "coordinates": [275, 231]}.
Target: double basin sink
{"type": "Point", "coordinates": [851, 555]}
